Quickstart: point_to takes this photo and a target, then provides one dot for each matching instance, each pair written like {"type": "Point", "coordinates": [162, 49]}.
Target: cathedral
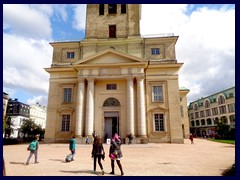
{"type": "Point", "coordinates": [116, 81]}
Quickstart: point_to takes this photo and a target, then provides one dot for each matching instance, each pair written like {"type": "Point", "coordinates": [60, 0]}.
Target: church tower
{"type": "Point", "coordinates": [104, 21]}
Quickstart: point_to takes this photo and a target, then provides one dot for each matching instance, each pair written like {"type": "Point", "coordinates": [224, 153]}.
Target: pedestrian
{"type": "Point", "coordinates": [72, 147]}
{"type": "Point", "coordinates": [87, 140]}
{"type": "Point", "coordinates": [115, 153]}
{"type": "Point", "coordinates": [130, 137]}
{"type": "Point", "coordinates": [98, 153]}
{"type": "Point", "coordinates": [33, 148]}
{"type": "Point", "coordinates": [105, 137]}
{"type": "Point", "coordinates": [4, 169]}
{"type": "Point", "coordinates": [191, 138]}
{"type": "Point", "coordinates": [94, 134]}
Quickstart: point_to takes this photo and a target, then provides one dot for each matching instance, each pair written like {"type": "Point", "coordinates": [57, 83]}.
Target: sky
{"type": "Point", "coordinates": [206, 44]}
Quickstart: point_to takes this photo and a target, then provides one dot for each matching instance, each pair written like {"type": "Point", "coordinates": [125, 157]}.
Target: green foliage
{"type": "Point", "coordinates": [224, 131]}
{"type": "Point", "coordinates": [223, 141]}
{"type": "Point", "coordinates": [8, 126]}
{"type": "Point", "coordinates": [30, 128]}
{"type": "Point", "coordinates": [230, 171]}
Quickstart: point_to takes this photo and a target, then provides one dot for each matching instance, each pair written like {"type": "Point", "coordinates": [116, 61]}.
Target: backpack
{"type": "Point", "coordinates": [32, 146]}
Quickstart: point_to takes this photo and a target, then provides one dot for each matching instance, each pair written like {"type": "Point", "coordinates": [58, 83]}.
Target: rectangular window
{"type": "Point", "coordinates": [123, 9]}
{"type": "Point", "coordinates": [101, 9]}
{"type": "Point", "coordinates": [208, 112]}
{"type": "Point", "coordinates": [222, 109]}
{"type": "Point", "coordinates": [159, 122]}
{"type": "Point", "coordinates": [202, 114]}
{"type": "Point", "coordinates": [196, 115]}
{"type": "Point", "coordinates": [67, 95]}
{"type": "Point", "coordinates": [66, 122]}
{"type": "Point", "coordinates": [157, 93]}
{"type": "Point", "coordinates": [155, 51]}
{"type": "Point", "coordinates": [112, 8]}
{"type": "Point", "coordinates": [112, 31]}
{"type": "Point", "coordinates": [231, 107]}
{"type": "Point", "coordinates": [214, 111]}
{"type": "Point", "coordinates": [70, 55]}
{"type": "Point", "coordinates": [111, 86]}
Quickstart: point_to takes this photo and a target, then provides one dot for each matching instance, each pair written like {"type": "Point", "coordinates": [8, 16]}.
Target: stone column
{"type": "Point", "coordinates": [228, 120]}
{"type": "Point", "coordinates": [130, 106]}
{"type": "Point", "coordinates": [90, 107]}
{"type": "Point", "coordinates": [141, 107]}
{"type": "Point", "coordinates": [80, 108]}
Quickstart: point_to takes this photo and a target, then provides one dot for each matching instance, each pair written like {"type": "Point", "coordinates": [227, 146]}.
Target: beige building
{"type": "Point", "coordinates": [115, 80]}
{"type": "Point", "coordinates": [206, 112]}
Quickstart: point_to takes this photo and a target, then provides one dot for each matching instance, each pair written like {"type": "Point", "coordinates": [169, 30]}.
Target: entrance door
{"type": "Point", "coordinates": [111, 123]}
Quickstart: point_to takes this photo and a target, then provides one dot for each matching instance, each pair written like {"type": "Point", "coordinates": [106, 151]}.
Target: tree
{"type": "Point", "coordinates": [30, 128]}
{"type": "Point", "coordinates": [8, 126]}
{"type": "Point", "coordinates": [223, 130]}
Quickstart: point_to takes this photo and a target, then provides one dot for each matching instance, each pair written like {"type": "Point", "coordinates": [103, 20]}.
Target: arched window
{"type": "Point", "coordinates": [111, 102]}
{"type": "Point", "coordinates": [207, 104]}
{"type": "Point", "coordinates": [221, 99]}
{"type": "Point", "coordinates": [195, 107]}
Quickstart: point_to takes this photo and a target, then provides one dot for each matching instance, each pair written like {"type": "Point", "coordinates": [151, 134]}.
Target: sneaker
{"type": "Point", "coordinates": [122, 173]}
{"type": "Point", "coordinates": [27, 163]}
{"type": "Point", "coordinates": [36, 162]}
{"type": "Point", "coordinates": [102, 172]}
{"type": "Point", "coordinates": [112, 172]}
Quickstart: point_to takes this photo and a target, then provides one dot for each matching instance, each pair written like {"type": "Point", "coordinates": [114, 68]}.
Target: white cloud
{"type": "Point", "coordinates": [24, 60]}
{"type": "Point", "coordinates": [79, 16]}
{"type": "Point", "coordinates": [206, 44]}
{"type": "Point", "coordinates": [42, 100]}
{"type": "Point", "coordinates": [24, 20]}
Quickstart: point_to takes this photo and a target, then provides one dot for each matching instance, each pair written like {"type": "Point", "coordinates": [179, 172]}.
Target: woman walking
{"type": "Point", "coordinates": [115, 153]}
{"type": "Point", "coordinates": [98, 153]}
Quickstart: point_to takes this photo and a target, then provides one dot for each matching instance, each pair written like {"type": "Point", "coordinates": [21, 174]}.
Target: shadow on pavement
{"type": "Point", "coordinates": [17, 163]}
{"type": "Point", "coordinates": [58, 160]}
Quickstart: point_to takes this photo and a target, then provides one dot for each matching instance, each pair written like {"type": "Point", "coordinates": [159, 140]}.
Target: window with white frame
{"type": "Point", "coordinates": [231, 107]}
{"type": "Point", "coordinates": [222, 109]}
{"type": "Point", "coordinates": [65, 122]}
{"type": "Point", "coordinates": [67, 95]}
{"type": "Point", "coordinates": [208, 112]}
{"type": "Point", "coordinates": [221, 100]}
{"type": "Point", "coordinates": [214, 111]}
{"type": "Point", "coordinates": [159, 122]}
{"type": "Point", "coordinates": [155, 51]}
{"type": "Point", "coordinates": [157, 93]}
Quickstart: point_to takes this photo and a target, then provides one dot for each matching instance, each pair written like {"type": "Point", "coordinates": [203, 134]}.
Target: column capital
{"type": "Point", "coordinates": [129, 78]}
{"type": "Point", "coordinates": [90, 79]}
{"type": "Point", "coordinates": [81, 80]}
{"type": "Point", "coordinates": [139, 78]}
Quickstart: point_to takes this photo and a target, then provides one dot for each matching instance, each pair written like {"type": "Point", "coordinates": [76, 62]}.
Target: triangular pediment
{"type": "Point", "coordinates": [109, 56]}
{"type": "Point", "coordinates": [158, 108]}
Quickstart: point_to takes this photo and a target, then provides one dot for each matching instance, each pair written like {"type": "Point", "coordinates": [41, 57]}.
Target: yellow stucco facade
{"type": "Point", "coordinates": [114, 80]}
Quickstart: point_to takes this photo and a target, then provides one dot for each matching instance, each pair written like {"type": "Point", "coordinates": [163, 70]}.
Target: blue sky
{"type": "Point", "coordinates": [206, 44]}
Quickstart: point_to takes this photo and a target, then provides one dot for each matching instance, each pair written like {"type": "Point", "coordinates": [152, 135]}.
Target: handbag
{"type": "Point", "coordinates": [112, 156]}
{"type": "Point", "coordinates": [28, 148]}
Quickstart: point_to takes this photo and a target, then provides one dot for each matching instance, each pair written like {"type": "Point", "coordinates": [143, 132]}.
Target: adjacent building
{"type": "Point", "coordinates": [18, 112]}
{"type": "Point", "coordinates": [116, 81]}
{"type": "Point", "coordinates": [38, 114]}
{"type": "Point", "coordinates": [204, 113]}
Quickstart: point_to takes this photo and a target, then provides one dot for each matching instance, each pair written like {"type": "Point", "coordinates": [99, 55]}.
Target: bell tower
{"type": "Point", "coordinates": [106, 21]}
